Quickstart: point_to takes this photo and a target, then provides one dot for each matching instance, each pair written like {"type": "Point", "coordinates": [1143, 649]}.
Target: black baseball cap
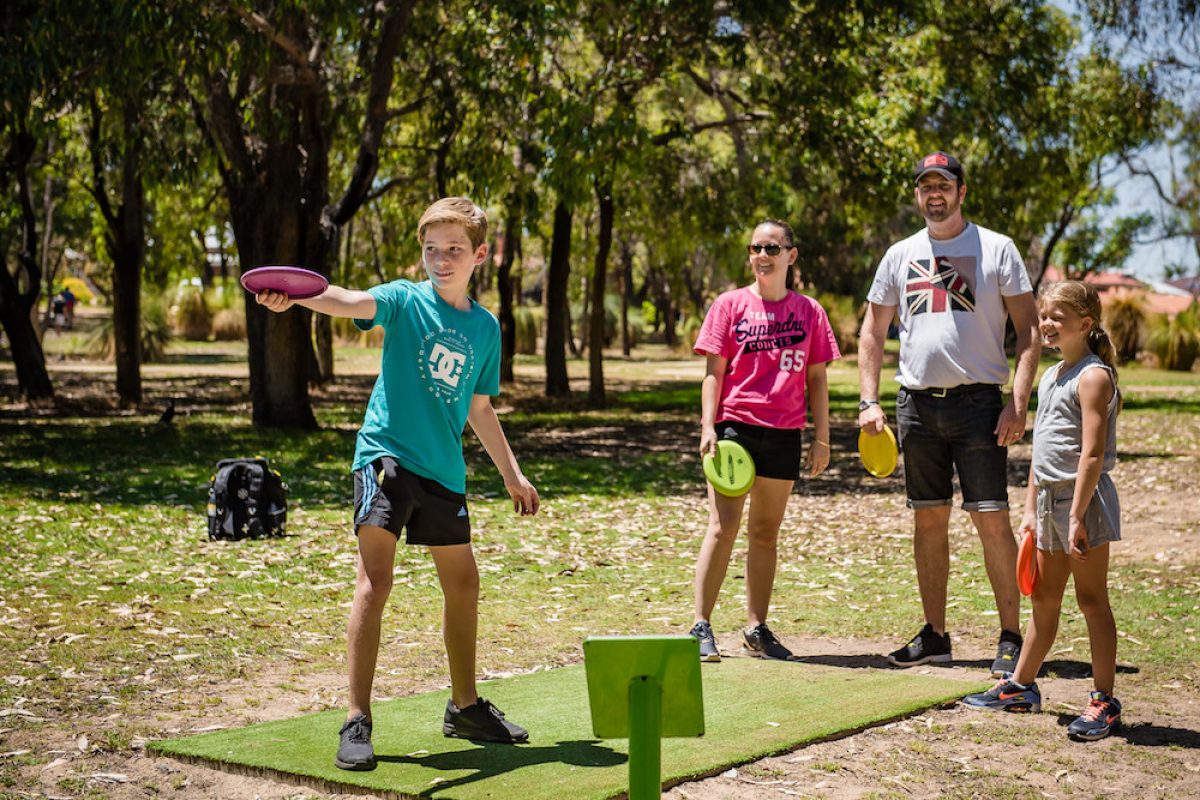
{"type": "Point", "coordinates": [942, 163]}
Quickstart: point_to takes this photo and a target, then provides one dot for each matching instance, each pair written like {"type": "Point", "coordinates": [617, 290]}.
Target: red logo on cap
{"type": "Point", "coordinates": [936, 160]}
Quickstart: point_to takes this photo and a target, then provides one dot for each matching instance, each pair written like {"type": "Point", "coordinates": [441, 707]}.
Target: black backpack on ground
{"type": "Point", "coordinates": [246, 499]}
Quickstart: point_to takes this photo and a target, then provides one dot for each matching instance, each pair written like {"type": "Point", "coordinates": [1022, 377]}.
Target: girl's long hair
{"type": "Point", "coordinates": [1084, 300]}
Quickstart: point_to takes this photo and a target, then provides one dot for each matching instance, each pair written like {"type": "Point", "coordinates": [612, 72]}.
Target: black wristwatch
{"type": "Point", "coordinates": [863, 405]}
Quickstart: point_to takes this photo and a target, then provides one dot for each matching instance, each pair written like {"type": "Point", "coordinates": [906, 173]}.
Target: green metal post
{"type": "Point", "coordinates": [645, 738]}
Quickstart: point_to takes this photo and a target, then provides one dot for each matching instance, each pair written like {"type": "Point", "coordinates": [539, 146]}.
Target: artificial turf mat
{"type": "Point", "coordinates": [752, 709]}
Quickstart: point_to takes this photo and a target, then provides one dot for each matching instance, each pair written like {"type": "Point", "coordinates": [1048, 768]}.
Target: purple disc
{"type": "Point", "coordinates": [296, 282]}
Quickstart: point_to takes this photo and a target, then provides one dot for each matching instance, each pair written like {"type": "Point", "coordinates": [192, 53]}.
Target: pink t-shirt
{"type": "Point", "coordinates": [769, 346]}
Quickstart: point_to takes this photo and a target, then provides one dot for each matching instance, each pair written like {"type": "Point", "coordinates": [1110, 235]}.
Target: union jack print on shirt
{"type": "Point", "coordinates": [929, 290]}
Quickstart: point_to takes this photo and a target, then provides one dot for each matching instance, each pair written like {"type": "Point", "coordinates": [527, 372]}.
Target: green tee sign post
{"type": "Point", "coordinates": [644, 688]}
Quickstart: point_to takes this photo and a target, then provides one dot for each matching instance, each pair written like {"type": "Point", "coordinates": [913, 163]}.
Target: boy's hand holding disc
{"type": "Point", "coordinates": [879, 452]}
{"type": "Point", "coordinates": [294, 283]}
{"type": "Point", "coordinates": [729, 469]}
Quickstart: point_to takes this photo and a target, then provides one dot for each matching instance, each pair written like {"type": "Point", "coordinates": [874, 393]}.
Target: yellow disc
{"type": "Point", "coordinates": [878, 452]}
{"type": "Point", "coordinates": [731, 471]}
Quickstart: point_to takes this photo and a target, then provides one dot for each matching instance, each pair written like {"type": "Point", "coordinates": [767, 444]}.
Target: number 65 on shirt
{"type": "Point", "coordinates": [791, 361]}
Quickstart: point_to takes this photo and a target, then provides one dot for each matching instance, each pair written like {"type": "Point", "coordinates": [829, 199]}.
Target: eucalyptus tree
{"type": "Point", "coordinates": [28, 120]}
{"type": "Point", "coordinates": [275, 88]}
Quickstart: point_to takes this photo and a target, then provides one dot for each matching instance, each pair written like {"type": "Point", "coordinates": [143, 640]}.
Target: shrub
{"type": "Point", "coordinates": [528, 326]}
{"type": "Point", "coordinates": [844, 318]}
{"type": "Point", "coordinates": [347, 333]}
{"type": "Point", "coordinates": [153, 335]}
{"type": "Point", "coordinates": [689, 332]}
{"type": "Point", "coordinates": [229, 325]}
{"type": "Point", "coordinates": [189, 314]}
{"type": "Point", "coordinates": [78, 288]}
{"type": "Point", "coordinates": [1124, 319]}
{"type": "Point", "coordinates": [1176, 341]}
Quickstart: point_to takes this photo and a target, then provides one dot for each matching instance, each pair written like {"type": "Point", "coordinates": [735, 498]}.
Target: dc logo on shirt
{"type": "Point", "coordinates": [446, 360]}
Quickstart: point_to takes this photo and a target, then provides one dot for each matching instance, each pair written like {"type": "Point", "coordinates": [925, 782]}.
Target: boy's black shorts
{"type": "Point", "coordinates": [388, 496]}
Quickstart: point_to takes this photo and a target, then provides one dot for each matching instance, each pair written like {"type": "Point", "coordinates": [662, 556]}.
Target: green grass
{"type": "Point", "coordinates": [111, 601]}
{"type": "Point", "coordinates": [752, 709]}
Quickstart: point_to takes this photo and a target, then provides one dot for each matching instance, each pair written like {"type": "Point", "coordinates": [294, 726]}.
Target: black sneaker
{"type": "Point", "coordinates": [761, 643]}
{"type": "Point", "coordinates": [925, 647]}
{"type": "Point", "coordinates": [1007, 696]}
{"type": "Point", "coordinates": [1099, 719]}
{"type": "Point", "coordinates": [481, 722]}
{"type": "Point", "coordinates": [702, 632]}
{"type": "Point", "coordinates": [1007, 654]}
{"type": "Point", "coordinates": [355, 751]}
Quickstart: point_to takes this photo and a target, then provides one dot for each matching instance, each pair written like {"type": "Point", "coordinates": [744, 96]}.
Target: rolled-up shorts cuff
{"type": "Point", "coordinates": [986, 505]}
{"type": "Point", "coordinates": [928, 503]}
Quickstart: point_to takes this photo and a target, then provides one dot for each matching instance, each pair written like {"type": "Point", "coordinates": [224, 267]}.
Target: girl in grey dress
{"type": "Point", "coordinates": [1072, 505]}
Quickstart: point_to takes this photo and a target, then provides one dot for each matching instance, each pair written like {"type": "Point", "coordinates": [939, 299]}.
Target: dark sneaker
{"type": "Point", "coordinates": [761, 643]}
{"type": "Point", "coordinates": [925, 647]}
{"type": "Point", "coordinates": [1008, 652]}
{"type": "Point", "coordinates": [1099, 719]}
{"type": "Point", "coordinates": [482, 722]}
{"type": "Point", "coordinates": [355, 750]}
{"type": "Point", "coordinates": [702, 632]}
{"type": "Point", "coordinates": [1007, 695]}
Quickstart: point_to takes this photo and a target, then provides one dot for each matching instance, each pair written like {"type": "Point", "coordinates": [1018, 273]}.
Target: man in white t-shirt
{"type": "Point", "coordinates": [953, 285]}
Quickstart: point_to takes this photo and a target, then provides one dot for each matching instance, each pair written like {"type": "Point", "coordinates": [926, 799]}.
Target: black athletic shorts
{"type": "Point", "coordinates": [776, 451]}
{"type": "Point", "coordinates": [388, 496]}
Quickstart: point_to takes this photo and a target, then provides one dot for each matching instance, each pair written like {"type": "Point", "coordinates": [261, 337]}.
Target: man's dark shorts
{"type": "Point", "coordinates": [941, 434]}
{"type": "Point", "coordinates": [388, 496]}
{"type": "Point", "coordinates": [776, 451]}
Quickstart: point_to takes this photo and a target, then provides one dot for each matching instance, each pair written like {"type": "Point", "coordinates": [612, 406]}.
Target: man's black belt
{"type": "Point", "coordinates": [950, 391]}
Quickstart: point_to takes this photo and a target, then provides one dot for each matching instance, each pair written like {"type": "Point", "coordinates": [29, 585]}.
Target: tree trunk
{"type": "Point", "coordinates": [504, 285]}
{"type": "Point", "coordinates": [599, 279]}
{"type": "Point", "coordinates": [322, 334]}
{"type": "Point", "coordinates": [626, 294]}
{"type": "Point", "coordinates": [18, 297]}
{"type": "Point", "coordinates": [127, 243]}
{"type": "Point", "coordinates": [559, 273]}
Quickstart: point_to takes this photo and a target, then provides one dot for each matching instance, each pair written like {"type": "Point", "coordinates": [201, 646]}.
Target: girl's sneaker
{"type": "Point", "coordinates": [1007, 695]}
{"type": "Point", "coordinates": [1099, 719]}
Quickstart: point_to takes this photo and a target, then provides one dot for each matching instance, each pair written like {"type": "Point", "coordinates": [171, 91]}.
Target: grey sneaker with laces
{"type": "Point", "coordinates": [355, 751]}
{"type": "Point", "coordinates": [703, 633]}
{"type": "Point", "coordinates": [762, 643]}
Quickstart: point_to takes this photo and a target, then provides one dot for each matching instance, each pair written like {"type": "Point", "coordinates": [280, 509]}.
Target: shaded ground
{"type": "Point", "coordinates": [949, 752]}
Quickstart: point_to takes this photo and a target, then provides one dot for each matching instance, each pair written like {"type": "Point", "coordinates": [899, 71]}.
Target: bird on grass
{"type": "Point", "coordinates": [168, 415]}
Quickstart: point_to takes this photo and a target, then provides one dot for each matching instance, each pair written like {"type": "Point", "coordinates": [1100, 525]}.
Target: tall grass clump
{"type": "Point", "coordinates": [1176, 340]}
{"type": "Point", "coordinates": [189, 315]}
{"type": "Point", "coordinates": [528, 326]}
{"type": "Point", "coordinates": [153, 332]}
{"type": "Point", "coordinates": [1125, 319]}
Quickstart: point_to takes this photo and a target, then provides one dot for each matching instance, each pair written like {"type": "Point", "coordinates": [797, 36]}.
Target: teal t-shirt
{"type": "Point", "coordinates": [435, 359]}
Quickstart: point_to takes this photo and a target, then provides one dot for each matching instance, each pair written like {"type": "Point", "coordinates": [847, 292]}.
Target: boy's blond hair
{"type": "Point", "coordinates": [455, 211]}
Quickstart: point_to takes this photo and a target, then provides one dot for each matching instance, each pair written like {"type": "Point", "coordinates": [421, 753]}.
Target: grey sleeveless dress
{"type": "Point", "coordinates": [1057, 440]}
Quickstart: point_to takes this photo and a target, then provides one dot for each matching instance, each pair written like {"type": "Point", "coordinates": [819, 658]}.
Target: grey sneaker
{"type": "Point", "coordinates": [1007, 696]}
{"type": "Point", "coordinates": [355, 751]}
{"type": "Point", "coordinates": [1008, 652]}
{"type": "Point", "coordinates": [761, 643]}
{"type": "Point", "coordinates": [925, 647]}
{"type": "Point", "coordinates": [1099, 719]}
{"type": "Point", "coordinates": [703, 633]}
{"type": "Point", "coordinates": [481, 722]}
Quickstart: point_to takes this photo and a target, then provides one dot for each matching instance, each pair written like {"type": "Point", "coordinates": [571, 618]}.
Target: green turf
{"type": "Point", "coordinates": [752, 709]}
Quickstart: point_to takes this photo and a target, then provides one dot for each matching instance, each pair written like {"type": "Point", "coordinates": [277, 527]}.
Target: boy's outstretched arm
{"type": "Point", "coordinates": [486, 425]}
{"type": "Point", "coordinates": [334, 302]}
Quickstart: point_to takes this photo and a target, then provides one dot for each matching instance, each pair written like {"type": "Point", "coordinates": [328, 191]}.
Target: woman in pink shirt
{"type": "Point", "coordinates": [766, 347]}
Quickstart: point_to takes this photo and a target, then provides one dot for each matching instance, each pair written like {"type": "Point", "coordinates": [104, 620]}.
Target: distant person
{"type": "Point", "coordinates": [766, 348]}
{"type": "Point", "coordinates": [1071, 506]}
{"type": "Point", "coordinates": [59, 306]}
{"type": "Point", "coordinates": [441, 364]}
{"type": "Point", "coordinates": [68, 307]}
{"type": "Point", "coordinates": [954, 285]}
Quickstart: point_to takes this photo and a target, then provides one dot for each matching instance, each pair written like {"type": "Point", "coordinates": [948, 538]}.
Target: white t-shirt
{"type": "Point", "coordinates": [949, 293]}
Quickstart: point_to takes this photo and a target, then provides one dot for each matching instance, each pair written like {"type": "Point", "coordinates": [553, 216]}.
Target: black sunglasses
{"type": "Point", "coordinates": [770, 249]}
